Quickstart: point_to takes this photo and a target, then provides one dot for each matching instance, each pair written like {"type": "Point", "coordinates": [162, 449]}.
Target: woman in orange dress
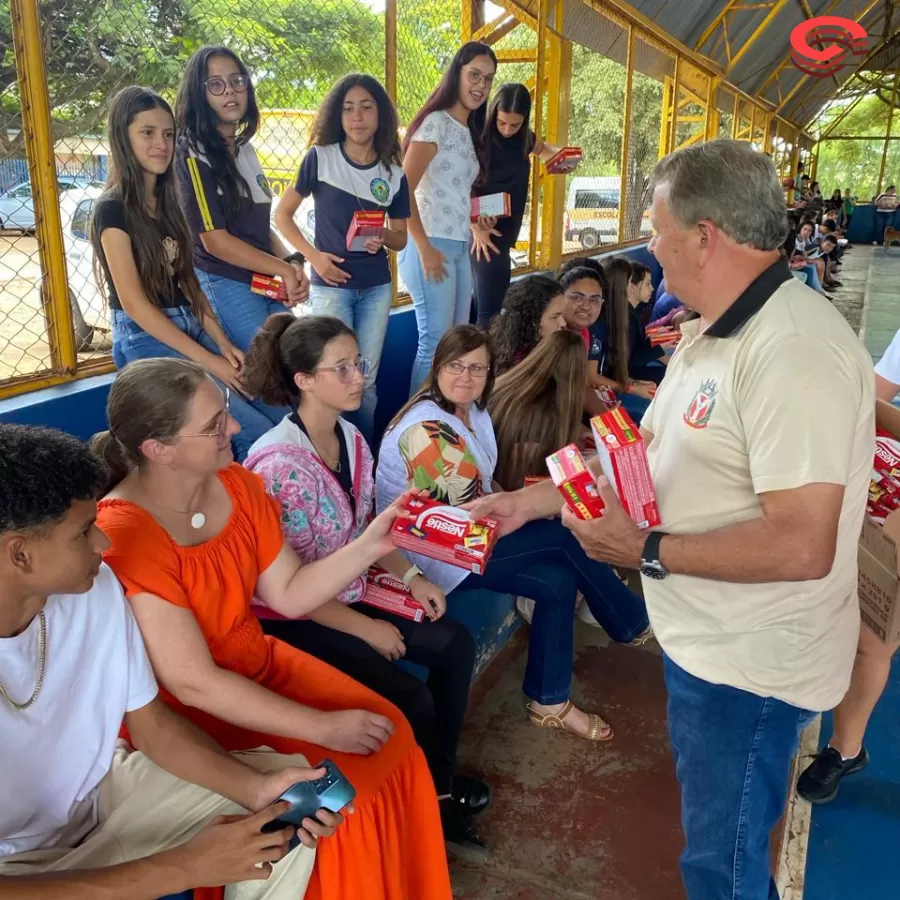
{"type": "Point", "coordinates": [193, 538]}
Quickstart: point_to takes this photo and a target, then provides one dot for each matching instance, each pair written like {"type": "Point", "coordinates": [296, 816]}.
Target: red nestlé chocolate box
{"type": "Point", "coordinates": [446, 533]}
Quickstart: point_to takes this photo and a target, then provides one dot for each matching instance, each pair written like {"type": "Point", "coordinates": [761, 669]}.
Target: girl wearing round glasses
{"type": "Point", "coordinates": [226, 196]}
{"type": "Point", "coordinates": [443, 441]}
{"type": "Point", "coordinates": [353, 165]}
{"type": "Point", "coordinates": [142, 253]}
{"type": "Point", "coordinates": [320, 469]}
{"type": "Point", "coordinates": [441, 158]}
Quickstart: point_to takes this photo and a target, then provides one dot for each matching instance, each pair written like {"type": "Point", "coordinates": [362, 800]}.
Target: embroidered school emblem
{"type": "Point", "coordinates": [380, 189]}
{"type": "Point", "coordinates": [263, 182]}
{"type": "Point", "coordinates": [701, 408]}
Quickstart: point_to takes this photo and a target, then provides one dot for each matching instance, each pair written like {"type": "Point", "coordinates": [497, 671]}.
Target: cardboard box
{"type": "Point", "coordinates": [607, 396]}
{"type": "Point", "coordinates": [447, 534]}
{"type": "Point", "coordinates": [364, 225]}
{"type": "Point", "coordinates": [496, 205]}
{"type": "Point", "coordinates": [623, 457]}
{"type": "Point", "coordinates": [575, 482]}
{"type": "Point", "coordinates": [564, 161]}
{"type": "Point", "coordinates": [392, 595]}
{"type": "Point", "coordinates": [270, 286]}
{"type": "Point", "coordinates": [879, 558]}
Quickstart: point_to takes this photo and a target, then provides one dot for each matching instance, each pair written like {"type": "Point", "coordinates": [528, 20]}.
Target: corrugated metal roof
{"type": "Point", "coordinates": [763, 70]}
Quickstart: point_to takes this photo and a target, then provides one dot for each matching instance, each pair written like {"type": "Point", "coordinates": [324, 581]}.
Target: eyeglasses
{"type": "Point", "coordinates": [581, 299]}
{"type": "Point", "coordinates": [216, 85]}
{"type": "Point", "coordinates": [346, 371]}
{"type": "Point", "coordinates": [476, 370]}
{"type": "Point", "coordinates": [477, 77]}
{"type": "Point", "coordinates": [221, 421]}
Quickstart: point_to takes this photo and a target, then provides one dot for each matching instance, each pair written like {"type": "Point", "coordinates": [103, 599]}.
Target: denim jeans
{"type": "Point", "coordinates": [439, 305]}
{"type": "Point", "coordinates": [240, 312]}
{"type": "Point", "coordinates": [733, 753]}
{"type": "Point", "coordinates": [366, 311]}
{"type": "Point", "coordinates": [131, 342]}
{"type": "Point", "coordinates": [543, 561]}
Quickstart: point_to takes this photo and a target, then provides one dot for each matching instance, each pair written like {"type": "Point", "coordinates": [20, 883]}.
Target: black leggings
{"type": "Point", "coordinates": [490, 279]}
{"type": "Point", "coordinates": [435, 708]}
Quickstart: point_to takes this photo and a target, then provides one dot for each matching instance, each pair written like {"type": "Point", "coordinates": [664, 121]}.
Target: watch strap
{"type": "Point", "coordinates": [651, 547]}
{"type": "Point", "coordinates": [297, 258]}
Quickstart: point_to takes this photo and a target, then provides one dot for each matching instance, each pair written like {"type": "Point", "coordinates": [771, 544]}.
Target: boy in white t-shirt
{"type": "Point", "coordinates": [135, 823]}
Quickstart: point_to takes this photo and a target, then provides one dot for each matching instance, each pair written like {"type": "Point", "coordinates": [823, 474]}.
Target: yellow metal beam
{"type": "Point", "coordinates": [518, 55]}
{"type": "Point", "coordinates": [673, 130]}
{"type": "Point", "coordinates": [802, 81]}
{"type": "Point", "coordinates": [538, 125]}
{"type": "Point", "coordinates": [518, 12]}
{"type": "Point", "coordinates": [36, 126]}
{"type": "Point", "coordinates": [626, 134]}
{"type": "Point", "coordinates": [497, 29]}
{"type": "Point", "coordinates": [843, 115]}
{"type": "Point", "coordinates": [887, 134]}
{"type": "Point", "coordinates": [559, 90]}
{"type": "Point", "coordinates": [758, 32]}
{"type": "Point", "coordinates": [711, 126]}
{"type": "Point", "coordinates": [716, 22]}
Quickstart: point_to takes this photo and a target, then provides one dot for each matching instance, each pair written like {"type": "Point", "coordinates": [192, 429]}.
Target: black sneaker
{"type": "Point", "coordinates": [820, 781]}
{"type": "Point", "coordinates": [460, 836]}
{"type": "Point", "coordinates": [472, 795]}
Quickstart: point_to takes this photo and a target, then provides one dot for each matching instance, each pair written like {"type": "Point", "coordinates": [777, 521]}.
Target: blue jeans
{"type": "Point", "coordinates": [543, 561]}
{"type": "Point", "coordinates": [131, 342]}
{"type": "Point", "coordinates": [240, 312]}
{"type": "Point", "coordinates": [366, 311]}
{"type": "Point", "coordinates": [439, 305]}
{"type": "Point", "coordinates": [733, 753]}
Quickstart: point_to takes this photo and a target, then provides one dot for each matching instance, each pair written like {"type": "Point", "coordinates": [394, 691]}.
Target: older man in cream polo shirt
{"type": "Point", "coordinates": [760, 442]}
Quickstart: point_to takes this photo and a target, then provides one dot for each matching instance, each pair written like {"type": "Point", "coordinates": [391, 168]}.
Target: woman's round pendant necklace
{"type": "Point", "coordinates": [198, 520]}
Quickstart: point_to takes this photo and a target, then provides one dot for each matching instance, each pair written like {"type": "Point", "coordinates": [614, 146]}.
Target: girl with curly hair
{"type": "Point", "coordinates": [353, 164]}
{"type": "Point", "coordinates": [533, 309]}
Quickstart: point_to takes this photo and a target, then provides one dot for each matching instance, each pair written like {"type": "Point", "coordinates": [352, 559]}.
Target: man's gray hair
{"type": "Point", "coordinates": [729, 184]}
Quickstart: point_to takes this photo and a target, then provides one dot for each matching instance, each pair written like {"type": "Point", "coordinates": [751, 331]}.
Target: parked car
{"type": "Point", "coordinates": [592, 211]}
{"type": "Point", "coordinates": [17, 202]}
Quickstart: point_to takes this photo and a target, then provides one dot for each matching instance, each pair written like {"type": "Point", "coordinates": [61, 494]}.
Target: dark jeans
{"type": "Point", "coordinates": [544, 562]}
{"type": "Point", "coordinates": [490, 279]}
{"type": "Point", "coordinates": [733, 753]}
{"type": "Point", "coordinates": [435, 709]}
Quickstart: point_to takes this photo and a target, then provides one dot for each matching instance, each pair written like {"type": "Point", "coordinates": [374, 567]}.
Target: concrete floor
{"type": "Point", "coordinates": [579, 821]}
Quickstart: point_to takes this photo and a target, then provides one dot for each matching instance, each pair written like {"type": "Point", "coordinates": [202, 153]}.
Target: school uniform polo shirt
{"type": "Point", "coordinates": [776, 394]}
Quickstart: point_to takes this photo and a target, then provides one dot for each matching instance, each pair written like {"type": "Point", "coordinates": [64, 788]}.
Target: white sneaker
{"type": "Point", "coordinates": [525, 608]}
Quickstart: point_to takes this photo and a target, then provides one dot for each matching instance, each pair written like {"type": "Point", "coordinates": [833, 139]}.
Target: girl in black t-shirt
{"type": "Point", "coordinates": [509, 144]}
{"type": "Point", "coordinates": [142, 252]}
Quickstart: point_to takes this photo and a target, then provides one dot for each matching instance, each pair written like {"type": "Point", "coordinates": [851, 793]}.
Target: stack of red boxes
{"type": "Point", "coordinates": [446, 533]}
{"type": "Point", "coordinates": [884, 488]}
{"type": "Point", "coordinates": [663, 336]}
{"type": "Point", "coordinates": [388, 593]}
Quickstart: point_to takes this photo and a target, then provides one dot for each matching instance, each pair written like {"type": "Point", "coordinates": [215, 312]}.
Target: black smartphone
{"type": "Point", "coordinates": [332, 792]}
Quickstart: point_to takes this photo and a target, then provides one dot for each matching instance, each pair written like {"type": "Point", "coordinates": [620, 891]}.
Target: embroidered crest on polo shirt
{"type": "Point", "coordinates": [380, 189]}
{"type": "Point", "coordinates": [701, 407]}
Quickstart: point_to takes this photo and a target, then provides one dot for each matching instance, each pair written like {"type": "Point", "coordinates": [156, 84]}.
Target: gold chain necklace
{"type": "Point", "coordinates": [42, 663]}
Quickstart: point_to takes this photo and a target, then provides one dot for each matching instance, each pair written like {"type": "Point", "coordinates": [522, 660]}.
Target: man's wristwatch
{"type": "Point", "coordinates": [651, 567]}
{"type": "Point", "coordinates": [411, 573]}
{"type": "Point", "coordinates": [296, 258]}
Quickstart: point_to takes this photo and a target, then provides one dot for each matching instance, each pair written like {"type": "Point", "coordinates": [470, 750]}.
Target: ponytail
{"type": "Point", "coordinates": [114, 455]}
{"type": "Point", "coordinates": [284, 347]}
{"type": "Point", "coordinates": [264, 373]}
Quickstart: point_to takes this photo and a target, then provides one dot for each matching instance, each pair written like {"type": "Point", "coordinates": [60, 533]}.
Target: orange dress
{"type": "Point", "coordinates": [392, 848]}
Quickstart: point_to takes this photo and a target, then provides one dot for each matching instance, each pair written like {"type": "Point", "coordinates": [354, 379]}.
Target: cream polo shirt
{"type": "Point", "coordinates": [776, 394]}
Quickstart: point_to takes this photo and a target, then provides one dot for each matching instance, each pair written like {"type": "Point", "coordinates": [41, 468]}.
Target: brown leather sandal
{"type": "Point", "coordinates": [599, 732]}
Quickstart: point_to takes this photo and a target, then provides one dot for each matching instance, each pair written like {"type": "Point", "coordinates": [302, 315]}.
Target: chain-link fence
{"type": "Point", "coordinates": [600, 80]}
